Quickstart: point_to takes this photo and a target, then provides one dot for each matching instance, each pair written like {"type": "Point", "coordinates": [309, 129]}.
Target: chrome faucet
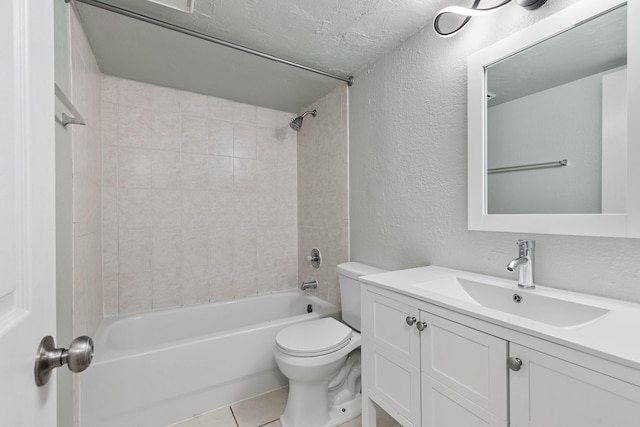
{"type": "Point", "coordinates": [524, 264]}
{"type": "Point", "coordinates": [309, 285]}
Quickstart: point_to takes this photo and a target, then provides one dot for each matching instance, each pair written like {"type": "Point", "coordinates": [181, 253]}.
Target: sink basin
{"type": "Point", "coordinates": [542, 308]}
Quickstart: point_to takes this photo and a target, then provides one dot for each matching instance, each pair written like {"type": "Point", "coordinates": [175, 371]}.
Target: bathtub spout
{"type": "Point", "coordinates": [309, 285]}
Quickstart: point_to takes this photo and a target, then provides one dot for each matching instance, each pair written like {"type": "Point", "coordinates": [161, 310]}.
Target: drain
{"type": "Point", "coordinates": [309, 308]}
{"type": "Point", "coordinates": [517, 298]}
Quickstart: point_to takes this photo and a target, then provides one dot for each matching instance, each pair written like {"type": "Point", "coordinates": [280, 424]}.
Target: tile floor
{"type": "Point", "coordinates": [260, 411]}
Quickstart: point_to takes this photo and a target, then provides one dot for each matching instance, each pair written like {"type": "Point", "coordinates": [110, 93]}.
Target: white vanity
{"type": "Point", "coordinates": [448, 348]}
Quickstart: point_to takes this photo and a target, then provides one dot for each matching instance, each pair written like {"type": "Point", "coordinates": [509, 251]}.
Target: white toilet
{"type": "Point", "coordinates": [321, 358]}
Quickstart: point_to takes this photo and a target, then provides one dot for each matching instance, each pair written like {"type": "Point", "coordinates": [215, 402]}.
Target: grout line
{"type": "Point", "coordinates": [234, 416]}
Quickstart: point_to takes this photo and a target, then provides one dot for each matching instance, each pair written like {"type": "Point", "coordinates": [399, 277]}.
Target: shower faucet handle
{"type": "Point", "coordinates": [315, 258]}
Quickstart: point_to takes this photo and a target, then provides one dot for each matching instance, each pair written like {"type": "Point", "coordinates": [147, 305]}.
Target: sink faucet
{"type": "Point", "coordinates": [524, 263]}
{"type": "Point", "coordinates": [309, 285]}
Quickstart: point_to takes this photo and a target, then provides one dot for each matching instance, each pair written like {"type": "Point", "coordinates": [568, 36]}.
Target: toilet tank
{"type": "Point", "coordinates": [349, 274]}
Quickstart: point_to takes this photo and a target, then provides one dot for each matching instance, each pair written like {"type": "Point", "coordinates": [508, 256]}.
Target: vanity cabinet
{"type": "Point", "coordinates": [427, 370]}
{"type": "Point", "coordinates": [464, 380]}
{"type": "Point", "coordinates": [551, 392]}
{"type": "Point", "coordinates": [394, 357]}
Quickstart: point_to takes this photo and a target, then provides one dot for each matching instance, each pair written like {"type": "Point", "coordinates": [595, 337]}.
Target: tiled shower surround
{"type": "Point", "coordinates": [323, 191]}
{"type": "Point", "coordinates": [199, 198]}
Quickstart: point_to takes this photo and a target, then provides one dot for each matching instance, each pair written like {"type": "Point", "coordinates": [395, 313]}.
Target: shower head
{"type": "Point", "coordinates": [296, 122]}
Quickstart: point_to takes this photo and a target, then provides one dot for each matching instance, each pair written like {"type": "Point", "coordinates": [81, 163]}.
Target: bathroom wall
{"type": "Point", "coordinates": [64, 211]}
{"type": "Point", "coordinates": [408, 170]}
{"type": "Point", "coordinates": [323, 191]}
{"type": "Point", "coordinates": [87, 185]}
{"type": "Point", "coordinates": [199, 200]}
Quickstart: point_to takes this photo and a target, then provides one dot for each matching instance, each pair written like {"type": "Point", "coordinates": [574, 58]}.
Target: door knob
{"type": "Point", "coordinates": [410, 320]}
{"type": "Point", "coordinates": [78, 357]}
{"type": "Point", "coordinates": [421, 326]}
{"type": "Point", "coordinates": [514, 363]}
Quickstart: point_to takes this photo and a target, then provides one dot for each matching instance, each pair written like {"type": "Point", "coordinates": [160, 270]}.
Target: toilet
{"type": "Point", "coordinates": [321, 359]}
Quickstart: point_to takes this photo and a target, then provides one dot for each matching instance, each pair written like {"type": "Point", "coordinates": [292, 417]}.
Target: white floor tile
{"type": "Point", "coordinates": [219, 418]}
{"type": "Point", "coordinates": [261, 410]}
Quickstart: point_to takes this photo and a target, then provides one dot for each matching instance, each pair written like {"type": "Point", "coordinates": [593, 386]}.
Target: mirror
{"type": "Point", "coordinates": [548, 149]}
{"type": "Point", "coordinates": [556, 140]}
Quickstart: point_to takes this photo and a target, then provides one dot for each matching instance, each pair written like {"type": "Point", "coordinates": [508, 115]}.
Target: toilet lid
{"type": "Point", "coordinates": [313, 338]}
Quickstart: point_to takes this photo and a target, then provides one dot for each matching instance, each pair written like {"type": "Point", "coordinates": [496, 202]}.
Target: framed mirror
{"type": "Point", "coordinates": [550, 147]}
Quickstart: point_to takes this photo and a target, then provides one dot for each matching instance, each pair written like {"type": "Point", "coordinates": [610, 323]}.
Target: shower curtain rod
{"type": "Point", "coordinates": [169, 26]}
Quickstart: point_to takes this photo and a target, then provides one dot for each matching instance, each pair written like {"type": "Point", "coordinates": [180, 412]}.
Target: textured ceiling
{"type": "Point", "coordinates": [338, 36]}
{"type": "Point", "coordinates": [335, 35]}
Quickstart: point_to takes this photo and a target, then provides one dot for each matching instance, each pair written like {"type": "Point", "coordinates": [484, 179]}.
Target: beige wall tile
{"type": "Point", "coordinates": [195, 134]}
{"type": "Point", "coordinates": [194, 104]}
{"type": "Point", "coordinates": [166, 130]}
{"type": "Point", "coordinates": [86, 94]}
{"type": "Point", "coordinates": [244, 141]}
{"type": "Point", "coordinates": [109, 89]}
{"type": "Point", "coordinates": [134, 208]}
{"type": "Point", "coordinates": [322, 187]}
{"type": "Point", "coordinates": [244, 175]}
{"type": "Point", "coordinates": [167, 249]}
{"type": "Point", "coordinates": [164, 99]}
{"type": "Point", "coordinates": [194, 171]}
{"type": "Point", "coordinates": [134, 126]}
{"type": "Point", "coordinates": [198, 187]}
{"type": "Point", "coordinates": [220, 173]}
{"type": "Point", "coordinates": [166, 209]}
{"type": "Point", "coordinates": [165, 170]}
{"type": "Point", "coordinates": [135, 250]}
{"type": "Point", "coordinates": [167, 292]}
{"type": "Point", "coordinates": [134, 93]}
{"type": "Point", "coordinates": [135, 292]}
{"type": "Point", "coordinates": [134, 168]}
{"type": "Point", "coordinates": [220, 138]}
{"type": "Point", "coordinates": [221, 109]}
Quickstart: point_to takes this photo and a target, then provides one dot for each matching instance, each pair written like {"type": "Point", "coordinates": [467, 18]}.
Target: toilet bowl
{"type": "Point", "coordinates": [321, 358]}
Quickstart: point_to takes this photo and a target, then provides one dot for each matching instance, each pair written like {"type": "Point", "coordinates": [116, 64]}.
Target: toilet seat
{"type": "Point", "coordinates": [314, 338]}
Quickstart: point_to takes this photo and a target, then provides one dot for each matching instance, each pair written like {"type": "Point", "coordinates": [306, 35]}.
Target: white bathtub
{"type": "Point", "coordinates": [158, 368]}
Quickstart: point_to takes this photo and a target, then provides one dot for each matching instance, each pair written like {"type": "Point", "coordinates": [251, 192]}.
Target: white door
{"type": "Point", "coordinates": [27, 208]}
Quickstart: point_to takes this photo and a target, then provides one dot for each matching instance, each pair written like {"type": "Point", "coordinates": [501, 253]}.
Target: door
{"type": "Point", "coordinates": [550, 392]}
{"type": "Point", "coordinates": [27, 208]}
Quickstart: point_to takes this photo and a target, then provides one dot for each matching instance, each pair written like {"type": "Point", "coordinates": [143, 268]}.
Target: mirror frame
{"type": "Point", "coordinates": [612, 225]}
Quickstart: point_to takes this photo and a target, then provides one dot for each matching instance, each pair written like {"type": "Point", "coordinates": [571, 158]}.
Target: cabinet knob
{"type": "Point", "coordinates": [410, 320]}
{"type": "Point", "coordinates": [421, 326]}
{"type": "Point", "coordinates": [514, 363]}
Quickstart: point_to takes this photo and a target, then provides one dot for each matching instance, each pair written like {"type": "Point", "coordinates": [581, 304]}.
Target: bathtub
{"type": "Point", "coordinates": [158, 368]}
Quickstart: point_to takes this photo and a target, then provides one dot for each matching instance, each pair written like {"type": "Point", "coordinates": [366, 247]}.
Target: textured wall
{"type": "Point", "coordinates": [199, 198]}
{"type": "Point", "coordinates": [87, 187]}
{"type": "Point", "coordinates": [408, 170]}
{"type": "Point", "coordinates": [323, 199]}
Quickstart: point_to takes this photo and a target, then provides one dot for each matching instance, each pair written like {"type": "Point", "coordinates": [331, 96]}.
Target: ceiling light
{"type": "Point", "coordinates": [469, 12]}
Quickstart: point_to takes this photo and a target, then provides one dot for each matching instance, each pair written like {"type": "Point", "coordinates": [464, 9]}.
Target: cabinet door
{"type": "Point", "coordinates": [467, 361]}
{"type": "Point", "coordinates": [393, 357]}
{"type": "Point", "coordinates": [442, 407]}
{"type": "Point", "coordinates": [551, 392]}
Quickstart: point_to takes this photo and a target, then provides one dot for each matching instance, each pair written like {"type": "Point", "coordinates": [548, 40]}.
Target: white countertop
{"type": "Point", "coordinates": [614, 336]}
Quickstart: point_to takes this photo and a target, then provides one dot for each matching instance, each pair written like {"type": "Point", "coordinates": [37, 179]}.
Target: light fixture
{"type": "Point", "coordinates": [469, 12]}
